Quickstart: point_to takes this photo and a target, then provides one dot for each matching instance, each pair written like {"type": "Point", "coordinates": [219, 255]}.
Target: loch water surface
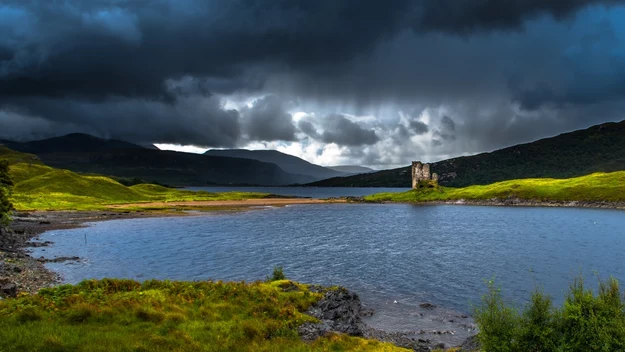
{"type": "Point", "coordinates": [388, 253]}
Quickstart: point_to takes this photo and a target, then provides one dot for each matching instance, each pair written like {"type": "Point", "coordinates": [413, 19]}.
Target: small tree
{"type": "Point", "coordinates": [5, 188]}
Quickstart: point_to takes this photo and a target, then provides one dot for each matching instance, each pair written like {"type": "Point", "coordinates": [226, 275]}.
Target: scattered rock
{"type": "Point", "coordinates": [339, 311]}
{"type": "Point", "coordinates": [471, 344]}
{"type": "Point", "coordinates": [311, 331]}
{"type": "Point", "coordinates": [8, 290]}
{"type": "Point", "coordinates": [366, 312]}
{"type": "Point", "coordinates": [401, 339]}
{"type": "Point", "coordinates": [57, 259]}
{"type": "Point", "coordinates": [38, 244]}
{"type": "Point", "coordinates": [427, 305]}
{"type": "Point", "coordinates": [289, 287]}
{"type": "Point", "coordinates": [316, 288]}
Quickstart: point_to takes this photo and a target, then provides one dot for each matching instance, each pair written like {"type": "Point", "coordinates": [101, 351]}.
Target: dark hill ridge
{"type": "Point", "coordinates": [288, 163]}
{"type": "Point", "coordinates": [88, 154]}
{"type": "Point", "coordinates": [578, 153]}
{"type": "Point", "coordinates": [75, 142]}
{"type": "Point", "coordinates": [174, 168]}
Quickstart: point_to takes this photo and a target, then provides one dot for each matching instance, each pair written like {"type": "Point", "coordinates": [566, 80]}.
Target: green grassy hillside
{"type": "Point", "coordinates": [40, 187]}
{"type": "Point", "coordinates": [14, 157]}
{"type": "Point", "coordinates": [609, 187]}
{"type": "Point", "coordinates": [599, 148]}
{"type": "Point", "coordinates": [124, 315]}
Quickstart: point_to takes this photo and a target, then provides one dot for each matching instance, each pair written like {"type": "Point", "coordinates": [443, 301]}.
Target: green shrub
{"type": "Point", "coordinates": [586, 321]}
{"type": "Point", "coordinates": [278, 274]}
{"type": "Point", "coordinates": [498, 323]}
{"type": "Point", "coordinates": [593, 323]}
{"type": "Point", "coordinates": [537, 329]}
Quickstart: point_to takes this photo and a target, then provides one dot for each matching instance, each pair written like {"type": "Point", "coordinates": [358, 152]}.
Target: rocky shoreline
{"type": "Point", "coordinates": [508, 202]}
{"type": "Point", "coordinates": [19, 272]}
{"type": "Point", "coordinates": [341, 311]}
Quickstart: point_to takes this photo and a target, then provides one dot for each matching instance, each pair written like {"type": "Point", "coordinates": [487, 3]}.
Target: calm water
{"type": "Point", "coordinates": [313, 192]}
{"type": "Point", "coordinates": [404, 253]}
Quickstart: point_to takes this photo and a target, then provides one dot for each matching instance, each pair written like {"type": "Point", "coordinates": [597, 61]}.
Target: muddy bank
{"type": "Point", "coordinates": [19, 272]}
{"type": "Point", "coordinates": [341, 311]}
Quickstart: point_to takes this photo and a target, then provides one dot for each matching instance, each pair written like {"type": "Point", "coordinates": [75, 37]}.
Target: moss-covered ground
{"type": "Point", "coordinates": [597, 187]}
{"type": "Point", "coordinates": [125, 315]}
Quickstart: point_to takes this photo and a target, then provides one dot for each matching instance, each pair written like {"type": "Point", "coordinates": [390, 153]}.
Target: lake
{"type": "Point", "coordinates": [386, 252]}
{"type": "Point", "coordinates": [312, 192]}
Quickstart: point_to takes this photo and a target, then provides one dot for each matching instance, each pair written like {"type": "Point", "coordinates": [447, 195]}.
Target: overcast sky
{"type": "Point", "coordinates": [376, 83]}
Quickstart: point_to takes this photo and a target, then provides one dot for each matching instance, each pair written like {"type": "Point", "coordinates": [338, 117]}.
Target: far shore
{"type": "Point", "coordinates": [515, 202]}
{"type": "Point", "coordinates": [229, 203]}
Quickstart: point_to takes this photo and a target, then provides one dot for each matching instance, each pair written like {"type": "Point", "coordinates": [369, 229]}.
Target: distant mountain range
{"type": "Point", "coordinates": [351, 169]}
{"type": "Point", "coordinates": [88, 154]}
{"type": "Point", "coordinates": [286, 162]}
{"type": "Point", "coordinates": [578, 153]}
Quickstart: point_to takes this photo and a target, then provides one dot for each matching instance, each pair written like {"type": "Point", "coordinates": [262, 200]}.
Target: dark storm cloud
{"type": "Point", "coordinates": [194, 120]}
{"type": "Point", "coordinates": [448, 123]}
{"type": "Point", "coordinates": [418, 127]}
{"type": "Point", "coordinates": [267, 120]}
{"type": "Point", "coordinates": [340, 130]}
{"type": "Point", "coordinates": [447, 130]}
{"type": "Point", "coordinates": [308, 128]}
{"type": "Point", "coordinates": [99, 48]}
{"type": "Point", "coordinates": [156, 70]}
{"type": "Point", "coordinates": [468, 16]}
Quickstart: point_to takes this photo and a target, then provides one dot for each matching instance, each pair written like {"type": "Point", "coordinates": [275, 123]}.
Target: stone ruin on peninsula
{"type": "Point", "coordinates": [421, 172]}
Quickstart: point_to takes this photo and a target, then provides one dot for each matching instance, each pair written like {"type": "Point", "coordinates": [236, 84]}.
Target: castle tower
{"type": "Point", "coordinates": [417, 171]}
{"type": "Point", "coordinates": [425, 175]}
{"type": "Point", "coordinates": [420, 172]}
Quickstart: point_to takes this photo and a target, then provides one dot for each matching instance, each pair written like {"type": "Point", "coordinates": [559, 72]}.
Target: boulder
{"type": "Point", "coordinates": [338, 311]}
{"type": "Point", "coordinates": [8, 290]}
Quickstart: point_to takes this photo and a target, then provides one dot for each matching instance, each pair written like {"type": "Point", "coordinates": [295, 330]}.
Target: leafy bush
{"type": "Point", "coordinates": [498, 323]}
{"type": "Point", "coordinates": [586, 321]}
{"type": "Point", "coordinates": [278, 274]}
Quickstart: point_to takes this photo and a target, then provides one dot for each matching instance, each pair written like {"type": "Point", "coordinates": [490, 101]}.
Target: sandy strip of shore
{"type": "Point", "coordinates": [232, 203]}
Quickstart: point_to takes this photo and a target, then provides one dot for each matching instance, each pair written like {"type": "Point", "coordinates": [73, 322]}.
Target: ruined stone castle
{"type": "Point", "coordinates": [421, 172]}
